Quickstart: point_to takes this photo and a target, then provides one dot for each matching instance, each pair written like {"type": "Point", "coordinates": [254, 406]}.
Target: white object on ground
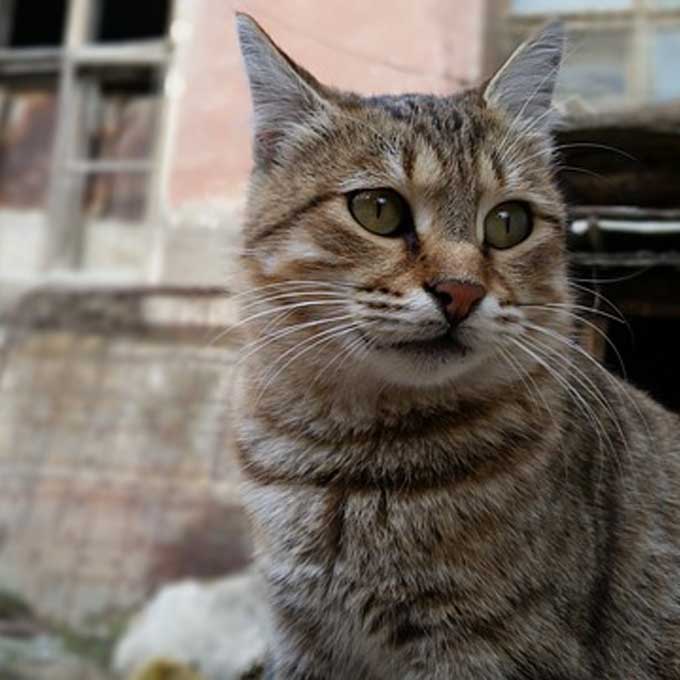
{"type": "Point", "coordinates": [220, 628]}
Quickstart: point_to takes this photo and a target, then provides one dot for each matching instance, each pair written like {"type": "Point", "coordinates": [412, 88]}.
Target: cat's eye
{"type": "Point", "coordinates": [508, 224]}
{"type": "Point", "coordinates": [381, 211]}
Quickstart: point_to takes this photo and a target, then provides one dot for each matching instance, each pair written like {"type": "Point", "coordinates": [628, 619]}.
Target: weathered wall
{"type": "Point", "coordinates": [380, 46]}
{"type": "Point", "coordinates": [116, 461]}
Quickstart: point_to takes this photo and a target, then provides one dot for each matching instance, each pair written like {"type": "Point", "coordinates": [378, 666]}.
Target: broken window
{"type": "Point", "coordinates": [29, 84]}
{"type": "Point", "coordinates": [79, 119]}
{"type": "Point", "coordinates": [28, 118]}
{"type": "Point", "coordinates": [126, 20]}
{"type": "Point", "coordinates": [114, 163]}
{"type": "Point", "coordinates": [33, 23]}
{"type": "Point", "coordinates": [121, 114]}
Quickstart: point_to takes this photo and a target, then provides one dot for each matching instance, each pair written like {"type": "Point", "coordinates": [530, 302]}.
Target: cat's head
{"type": "Point", "coordinates": [412, 237]}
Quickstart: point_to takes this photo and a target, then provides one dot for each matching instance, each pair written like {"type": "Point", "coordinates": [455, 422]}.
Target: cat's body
{"type": "Point", "coordinates": [425, 505]}
{"type": "Point", "coordinates": [551, 559]}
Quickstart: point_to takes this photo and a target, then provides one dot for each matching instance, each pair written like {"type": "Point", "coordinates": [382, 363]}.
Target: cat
{"type": "Point", "coordinates": [443, 484]}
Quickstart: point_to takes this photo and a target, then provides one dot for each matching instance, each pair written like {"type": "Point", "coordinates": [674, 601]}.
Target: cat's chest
{"type": "Point", "coordinates": [393, 543]}
{"type": "Point", "coordinates": [380, 570]}
{"type": "Point", "coordinates": [379, 511]}
{"type": "Point", "coordinates": [387, 567]}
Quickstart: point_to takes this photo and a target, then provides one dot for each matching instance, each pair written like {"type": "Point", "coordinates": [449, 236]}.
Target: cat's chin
{"type": "Point", "coordinates": [429, 363]}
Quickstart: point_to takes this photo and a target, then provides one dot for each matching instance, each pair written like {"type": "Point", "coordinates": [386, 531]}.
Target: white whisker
{"type": "Point", "coordinates": [322, 338]}
{"type": "Point", "coordinates": [262, 342]}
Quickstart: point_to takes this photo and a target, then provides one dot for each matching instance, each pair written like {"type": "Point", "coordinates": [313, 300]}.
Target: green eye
{"type": "Point", "coordinates": [381, 211]}
{"type": "Point", "coordinates": [508, 224]}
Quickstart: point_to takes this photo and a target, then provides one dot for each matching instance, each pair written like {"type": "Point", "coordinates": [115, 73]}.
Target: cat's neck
{"type": "Point", "coordinates": [361, 401]}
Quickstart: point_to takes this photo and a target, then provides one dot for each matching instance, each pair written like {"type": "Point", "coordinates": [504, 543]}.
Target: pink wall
{"type": "Point", "coordinates": [376, 46]}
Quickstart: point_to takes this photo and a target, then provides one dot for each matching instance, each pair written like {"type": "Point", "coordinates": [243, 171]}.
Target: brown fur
{"type": "Point", "coordinates": [506, 512]}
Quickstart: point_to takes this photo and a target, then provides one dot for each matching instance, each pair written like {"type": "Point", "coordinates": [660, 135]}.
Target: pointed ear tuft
{"type": "Point", "coordinates": [283, 94]}
{"type": "Point", "coordinates": [525, 84]}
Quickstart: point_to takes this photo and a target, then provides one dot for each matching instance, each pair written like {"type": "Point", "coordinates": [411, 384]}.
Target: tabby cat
{"type": "Point", "coordinates": [443, 484]}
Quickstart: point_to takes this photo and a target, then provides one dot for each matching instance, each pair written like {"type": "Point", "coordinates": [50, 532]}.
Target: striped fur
{"type": "Point", "coordinates": [502, 511]}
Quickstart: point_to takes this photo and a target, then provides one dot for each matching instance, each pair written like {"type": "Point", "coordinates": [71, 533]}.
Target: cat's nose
{"type": "Point", "coordinates": [457, 299]}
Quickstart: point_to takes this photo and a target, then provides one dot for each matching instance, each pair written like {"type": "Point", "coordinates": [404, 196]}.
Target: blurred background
{"type": "Point", "coordinates": [124, 155]}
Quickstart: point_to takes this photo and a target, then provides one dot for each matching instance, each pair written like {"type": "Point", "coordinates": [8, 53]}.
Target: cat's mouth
{"type": "Point", "coordinates": [446, 343]}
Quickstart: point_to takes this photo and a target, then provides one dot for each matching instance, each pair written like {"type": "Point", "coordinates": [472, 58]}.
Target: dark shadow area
{"type": "Point", "coordinates": [651, 356]}
{"type": "Point", "coordinates": [122, 20]}
{"type": "Point", "coordinates": [37, 23]}
{"type": "Point", "coordinates": [217, 542]}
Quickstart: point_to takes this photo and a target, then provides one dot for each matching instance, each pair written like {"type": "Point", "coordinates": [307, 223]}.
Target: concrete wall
{"type": "Point", "coordinates": [382, 46]}
{"type": "Point", "coordinates": [117, 471]}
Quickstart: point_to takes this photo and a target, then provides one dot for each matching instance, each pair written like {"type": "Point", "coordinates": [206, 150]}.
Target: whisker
{"type": "Point", "coordinates": [262, 342]}
{"type": "Point", "coordinates": [556, 149]}
{"type": "Point", "coordinates": [349, 351]}
{"type": "Point", "coordinates": [585, 171]}
{"type": "Point", "coordinates": [617, 279]}
{"type": "Point", "coordinates": [600, 332]}
{"type": "Point", "coordinates": [593, 390]}
{"type": "Point", "coordinates": [294, 296]}
{"type": "Point", "coordinates": [294, 284]}
{"type": "Point", "coordinates": [598, 296]}
{"type": "Point", "coordinates": [592, 145]}
{"type": "Point", "coordinates": [598, 427]}
{"type": "Point", "coordinates": [570, 306]}
{"type": "Point", "coordinates": [277, 310]}
{"type": "Point", "coordinates": [610, 378]}
{"type": "Point", "coordinates": [580, 402]}
{"type": "Point", "coordinates": [524, 376]}
{"type": "Point", "coordinates": [588, 385]}
{"type": "Point", "coordinates": [320, 338]}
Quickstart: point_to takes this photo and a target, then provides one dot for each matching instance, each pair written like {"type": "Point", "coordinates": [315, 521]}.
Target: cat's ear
{"type": "Point", "coordinates": [283, 94]}
{"type": "Point", "coordinates": [525, 84]}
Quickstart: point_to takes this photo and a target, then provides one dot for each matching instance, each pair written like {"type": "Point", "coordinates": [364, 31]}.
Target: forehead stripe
{"type": "Point", "coordinates": [497, 166]}
{"type": "Point", "coordinates": [290, 219]}
{"type": "Point", "coordinates": [407, 160]}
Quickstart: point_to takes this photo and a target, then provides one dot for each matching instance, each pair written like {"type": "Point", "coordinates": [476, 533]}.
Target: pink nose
{"type": "Point", "coordinates": [457, 298]}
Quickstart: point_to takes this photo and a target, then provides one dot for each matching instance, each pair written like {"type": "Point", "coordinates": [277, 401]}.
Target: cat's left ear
{"type": "Point", "coordinates": [525, 84]}
{"type": "Point", "coordinates": [283, 94]}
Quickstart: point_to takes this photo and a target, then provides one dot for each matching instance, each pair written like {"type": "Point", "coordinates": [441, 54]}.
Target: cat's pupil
{"type": "Point", "coordinates": [505, 216]}
{"type": "Point", "coordinates": [379, 204]}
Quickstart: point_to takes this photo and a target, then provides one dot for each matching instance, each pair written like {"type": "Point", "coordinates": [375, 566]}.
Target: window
{"type": "Point", "coordinates": [665, 54]}
{"type": "Point", "coordinates": [118, 122]}
{"type": "Point", "coordinates": [29, 67]}
{"type": "Point", "coordinates": [26, 31]}
{"type": "Point", "coordinates": [124, 20]}
{"type": "Point", "coordinates": [619, 51]}
{"type": "Point", "coordinates": [80, 107]}
{"type": "Point", "coordinates": [548, 6]}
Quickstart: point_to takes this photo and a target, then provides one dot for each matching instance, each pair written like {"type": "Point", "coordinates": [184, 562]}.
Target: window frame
{"type": "Point", "coordinates": [69, 168]}
{"type": "Point", "coordinates": [642, 19]}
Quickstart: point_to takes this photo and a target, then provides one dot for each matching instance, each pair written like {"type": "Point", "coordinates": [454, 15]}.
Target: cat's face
{"type": "Point", "coordinates": [400, 236]}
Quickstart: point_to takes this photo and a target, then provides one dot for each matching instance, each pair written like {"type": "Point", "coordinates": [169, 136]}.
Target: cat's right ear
{"type": "Point", "coordinates": [524, 86]}
{"type": "Point", "coordinates": [283, 94]}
